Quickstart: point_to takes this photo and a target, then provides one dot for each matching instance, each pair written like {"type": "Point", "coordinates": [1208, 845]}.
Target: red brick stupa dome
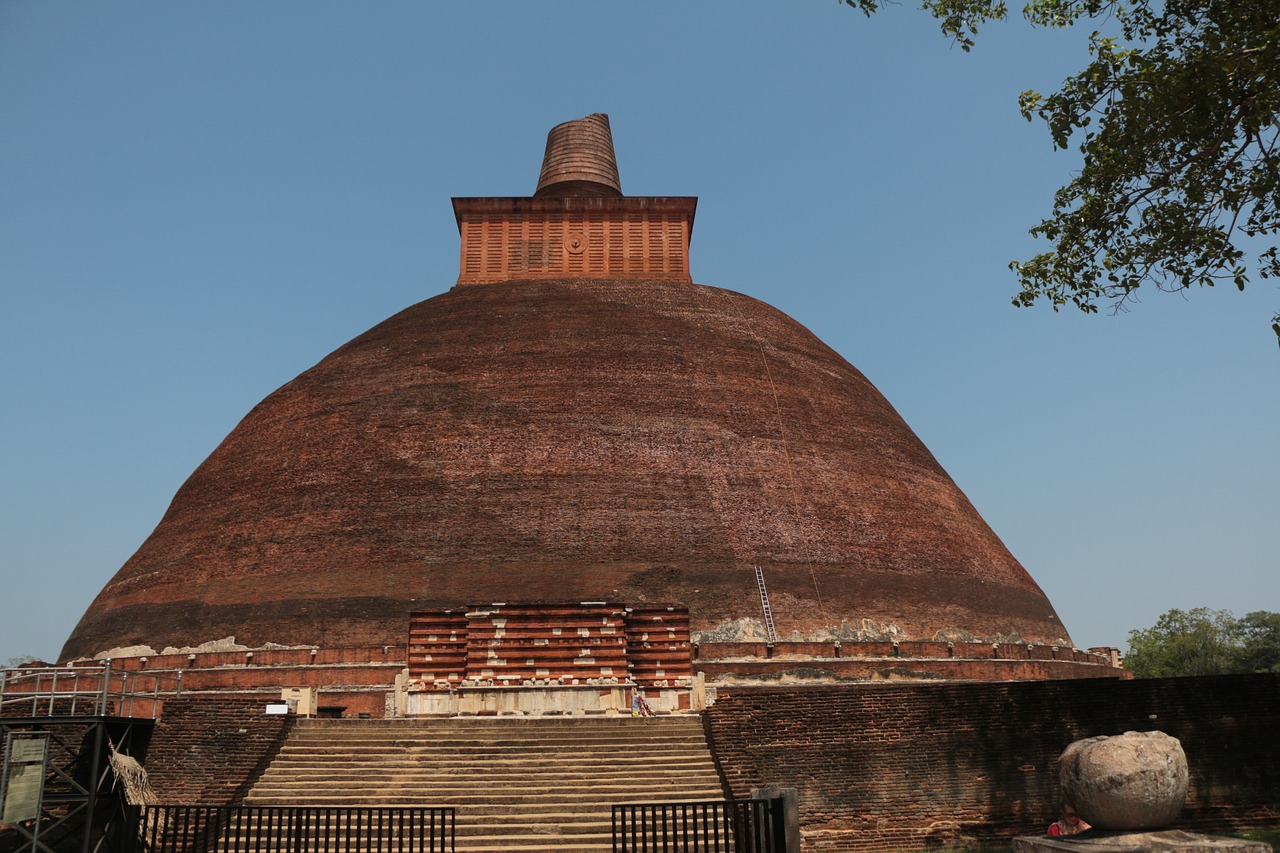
{"type": "Point", "coordinates": [575, 420]}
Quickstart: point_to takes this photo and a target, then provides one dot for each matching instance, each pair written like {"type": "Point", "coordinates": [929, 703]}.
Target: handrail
{"type": "Point", "coordinates": [58, 691]}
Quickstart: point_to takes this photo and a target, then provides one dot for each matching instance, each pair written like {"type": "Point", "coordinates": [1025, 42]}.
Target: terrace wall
{"type": "Point", "coordinates": [903, 767]}
{"type": "Point", "coordinates": [208, 752]}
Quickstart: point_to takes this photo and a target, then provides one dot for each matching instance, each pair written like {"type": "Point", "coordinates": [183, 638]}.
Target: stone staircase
{"type": "Point", "coordinates": [517, 783]}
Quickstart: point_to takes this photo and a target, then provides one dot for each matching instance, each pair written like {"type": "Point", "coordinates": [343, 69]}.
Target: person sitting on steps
{"type": "Point", "coordinates": [639, 707]}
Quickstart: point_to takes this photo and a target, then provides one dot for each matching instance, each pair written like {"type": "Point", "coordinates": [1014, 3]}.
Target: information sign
{"type": "Point", "coordinates": [24, 775]}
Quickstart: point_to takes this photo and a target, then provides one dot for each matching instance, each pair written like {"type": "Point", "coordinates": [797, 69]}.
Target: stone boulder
{"type": "Point", "coordinates": [1133, 781]}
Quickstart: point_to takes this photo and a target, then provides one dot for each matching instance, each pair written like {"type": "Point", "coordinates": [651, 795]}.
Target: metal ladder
{"type": "Point", "coordinates": [764, 603]}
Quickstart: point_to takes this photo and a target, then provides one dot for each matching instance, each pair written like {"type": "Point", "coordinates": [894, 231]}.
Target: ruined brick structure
{"type": "Point", "coordinates": [906, 767]}
{"type": "Point", "coordinates": [895, 767]}
{"type": "Point", "coordinates": [209, 753]}
{"type": "Point", "coordinates": [577, 421]}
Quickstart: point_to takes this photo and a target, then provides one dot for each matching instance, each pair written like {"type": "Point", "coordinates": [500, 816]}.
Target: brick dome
{"type": "Point", "coordinates": [569, 439]}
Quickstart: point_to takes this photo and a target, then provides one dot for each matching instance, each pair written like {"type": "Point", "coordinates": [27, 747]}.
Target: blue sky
{"type": "Point", "coordinates": [200, 200]}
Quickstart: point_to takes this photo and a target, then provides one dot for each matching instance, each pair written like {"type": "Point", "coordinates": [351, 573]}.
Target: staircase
{"type": "Point", "coordinates": [517, 783]}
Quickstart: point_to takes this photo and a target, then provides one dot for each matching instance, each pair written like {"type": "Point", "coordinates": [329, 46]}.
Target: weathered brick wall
{"type": "Point", "coordinates": [762, 671]}
{"type": "Point", "coordinates": [914, 767]}
{"type": "Point", "coordinates": [911, 649]}
{"type": "Point", "coordinates": [355, 678]}
{"type": "Point", "coordinates": [598, 439]}
{"type": "Point", "coordinates": [210, 751]}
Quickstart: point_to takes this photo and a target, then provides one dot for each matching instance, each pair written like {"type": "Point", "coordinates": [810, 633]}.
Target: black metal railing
{"type": "Point", "coordinates": [714, 826]}
{"type": "Point", "coordinates": [292, 829]}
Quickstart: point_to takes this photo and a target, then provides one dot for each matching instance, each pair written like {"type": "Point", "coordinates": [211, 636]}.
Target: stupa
{"type": "Point", "coordinates": [575, 420]}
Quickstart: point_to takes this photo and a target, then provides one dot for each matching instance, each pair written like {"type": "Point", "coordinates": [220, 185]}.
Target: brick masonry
{"type": "Point", "coordinates": [210, 752]}
{"type": "Point", "coordinates": [581, 439]}
{"type": "Point", "coordinates": [916, 767]}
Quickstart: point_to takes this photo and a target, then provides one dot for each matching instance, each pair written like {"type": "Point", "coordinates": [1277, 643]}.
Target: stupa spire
{"type": "Point", "coordinates": [577, 224]}
{"type": "Point", "coordinates": [579, 161]}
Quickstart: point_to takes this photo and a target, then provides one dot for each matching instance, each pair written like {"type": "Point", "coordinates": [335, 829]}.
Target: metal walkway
{"type": "Point", "coordinates": [96, 691]}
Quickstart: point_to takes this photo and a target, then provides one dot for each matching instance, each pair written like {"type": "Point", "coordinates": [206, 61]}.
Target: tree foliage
{"type": "Point", "coordinates": [1177, 116]}
{"type": "Point", "coordinates": [1259, 634]}
{"type": "Point", "coordinates": [1205, 642]}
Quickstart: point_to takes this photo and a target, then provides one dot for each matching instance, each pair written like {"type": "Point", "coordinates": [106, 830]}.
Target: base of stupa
{"type": "Point", "coordinates": [1162, 841]}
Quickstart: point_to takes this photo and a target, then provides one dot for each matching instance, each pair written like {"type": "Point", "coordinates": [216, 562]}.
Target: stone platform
{"type": "Point", "coordinates": [1163, 841]}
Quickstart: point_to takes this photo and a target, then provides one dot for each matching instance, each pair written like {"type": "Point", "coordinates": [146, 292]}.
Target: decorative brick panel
{"type": "Point", "coordinates": [438, 646]}
{"type": "Point", "coordinates": [507, 239]}
{"type": "Point", "coordinates": [658, 649]}
{"type": "Point", "coordinates": [565, 643]}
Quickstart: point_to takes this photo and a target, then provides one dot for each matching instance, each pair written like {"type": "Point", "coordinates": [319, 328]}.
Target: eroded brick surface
{"type": "Point", "coordinates": [207, 752]}
{"type": "Point", "coordinates": [570, 440]}
{"type": "Point", "coordinates": [911, 767]}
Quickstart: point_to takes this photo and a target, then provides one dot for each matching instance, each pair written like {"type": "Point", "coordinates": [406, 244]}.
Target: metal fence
{"type": "Point", "coordinates": [291, 829]}
{"type": "Point", "coordinates": [68, 691]}
{"type": "Point", "coordinates": [715, 826]}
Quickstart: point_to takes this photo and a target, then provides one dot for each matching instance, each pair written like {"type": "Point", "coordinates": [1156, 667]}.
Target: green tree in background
{"type": "Point", "coordinates": [1205, 642]}
{"type": "Point", "coordinates": [1260, 642]}
{"type": "Point", "coordinates": [1195, 642]}
{"type": "Point", "coordinates": [1177, 118]}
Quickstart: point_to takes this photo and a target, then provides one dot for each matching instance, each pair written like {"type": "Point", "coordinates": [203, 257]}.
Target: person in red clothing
{"type": "Point", "coordinates": [1069, 824]}
{"type": "Point", "coordinates": [639, 707]}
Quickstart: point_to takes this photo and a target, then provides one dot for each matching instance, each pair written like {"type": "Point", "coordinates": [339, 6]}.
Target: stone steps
{"type": "Point", "coordinates": [513, 763]}
{"type": "Point", "coordinates": [427, 797]}
{"type": "Point", "coordinates": [450, 778]}
{"type": "Point", "coordinates": [585, 750]}
{"type": "Point", "coordinates": [460, 785]}
{"type": "Point", "coordinates": [518, 784]}
{"type": "Point", "coordinates": [480, 740]}
{"type": "Point", "coordinates": [507, 729]}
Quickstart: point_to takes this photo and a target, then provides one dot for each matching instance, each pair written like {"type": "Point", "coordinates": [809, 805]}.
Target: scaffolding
{"type": "Point", "coordinates": [48, 691]}
{"type": "Point", "coordinates": [57, 728]}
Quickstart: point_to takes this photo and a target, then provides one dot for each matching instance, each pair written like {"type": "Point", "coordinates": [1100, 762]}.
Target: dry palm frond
{"type": "Point", "coordinates": [132, 777]}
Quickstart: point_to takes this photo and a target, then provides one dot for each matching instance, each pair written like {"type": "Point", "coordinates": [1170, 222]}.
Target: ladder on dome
{"type": "Point", "coordinates": [764, 603]}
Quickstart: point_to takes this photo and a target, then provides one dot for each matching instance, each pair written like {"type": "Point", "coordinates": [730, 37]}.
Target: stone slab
{"type": "Point", "coordinates": [1163, 841]}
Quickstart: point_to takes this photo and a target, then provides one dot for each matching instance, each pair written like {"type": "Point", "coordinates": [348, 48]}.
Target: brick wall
{"type": "Point", "coordinates": [901, 767]}
{"type": "Point", "coordinates": [356, 678]}
{"type": "Point", "coordinates": [762, 671]}
{"type": "Point", "coordinates": [299, 657]}
{"type": "Point", "coordinates": [209, 752]}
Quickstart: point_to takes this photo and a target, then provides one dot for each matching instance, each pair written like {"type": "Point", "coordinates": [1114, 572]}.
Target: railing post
{"type": "Point", "coordinates": [783, 822]}
{"type": "Point", "coordinates": [106, 686]}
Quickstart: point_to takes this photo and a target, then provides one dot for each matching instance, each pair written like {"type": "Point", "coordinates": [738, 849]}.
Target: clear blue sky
{"type": "Point", "coordinates": [200, 200]}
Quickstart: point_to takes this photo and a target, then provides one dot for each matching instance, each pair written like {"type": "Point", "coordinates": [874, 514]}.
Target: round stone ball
{"type": "Point", "coordinates": [1133, 781]}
